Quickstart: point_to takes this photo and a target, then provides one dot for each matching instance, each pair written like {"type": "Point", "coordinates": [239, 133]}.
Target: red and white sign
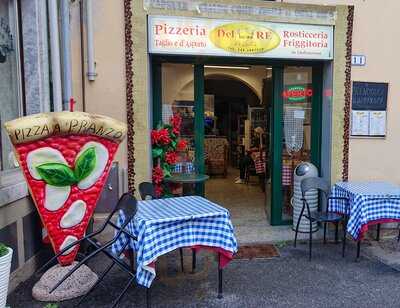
{"type": "Point", "coordinates": [215, 37]}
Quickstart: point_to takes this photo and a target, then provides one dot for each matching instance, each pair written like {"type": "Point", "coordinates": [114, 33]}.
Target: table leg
{"type": "Point", "coordinates": [358, 250]}
{"type": "Point", "coordinates": [336, 232]}
{"type": "Point", "coordinates": [193, 260]}
{"type": "Point", "coordinates": [131, 259]}
{"type": "Point", "coordinates": [148, 298]}
{"type": "Point", "coordinates": [378, 232]}
{"type": "Point", "coordinates": [181, 255]}
{"type": "Point", "coordinates": [219, 277]}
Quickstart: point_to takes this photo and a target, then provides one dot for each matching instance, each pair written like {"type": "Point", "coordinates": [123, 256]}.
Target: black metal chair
{"type": "Point", "coordinates": [128, 204]}
{"type": "Point", "coordinates": [320, 217]}
{"type": "Point", "coordinates": [146, 191]}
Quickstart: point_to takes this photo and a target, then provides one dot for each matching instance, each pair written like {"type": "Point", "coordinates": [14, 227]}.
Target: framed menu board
{"type": "Point", "coordinates": [369, 106]}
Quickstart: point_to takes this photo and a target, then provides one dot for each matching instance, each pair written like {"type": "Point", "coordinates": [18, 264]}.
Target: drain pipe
{"type": "Point", "coordinates": [66, 53]}
{"type": "Point", "coordinates": [55, 55]}
{"type": "Point", "coordinates": [91, 70]}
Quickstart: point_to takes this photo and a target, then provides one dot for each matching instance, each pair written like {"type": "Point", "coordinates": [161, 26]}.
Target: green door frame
{"type": "Point", "coordinates": [198, 84]}
{"type": "Point", "coordinates": [276, 146]}
{"type": "Point", "coordinates": [275, 212]}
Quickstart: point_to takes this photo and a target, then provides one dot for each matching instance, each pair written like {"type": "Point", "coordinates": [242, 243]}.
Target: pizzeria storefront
{"type": "Point", "coordinates": [244, 77]}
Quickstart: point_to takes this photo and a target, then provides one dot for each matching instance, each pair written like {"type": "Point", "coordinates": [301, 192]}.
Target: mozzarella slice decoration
{"type": "Point", "coordinates": [55, 197]}
{"type": "Point", "coordinates": [74, 215]}
{"type": "Point", "coordinates": [68, 240]}
{"type": "Point", "coordinates": [43, 156]}
{"type": "Point", "coordinates": [101, 162]}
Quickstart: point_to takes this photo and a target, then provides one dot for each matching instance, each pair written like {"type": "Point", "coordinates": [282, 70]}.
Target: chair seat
{"type": "Point", "coordinates": [326, 216]}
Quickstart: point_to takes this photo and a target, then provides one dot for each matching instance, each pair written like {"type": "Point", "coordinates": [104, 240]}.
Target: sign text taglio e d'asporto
{"type": "Point", "coordinates": [216, 37]}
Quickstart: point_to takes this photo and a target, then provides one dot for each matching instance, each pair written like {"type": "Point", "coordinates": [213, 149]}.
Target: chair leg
{"type": "Point", "coordinates": [298, 225]}
{"type": "Point", "coordinates": [310, 244]}
{"type": "Point", "coordinates": [194, 260]}
{"type": "Point", "coordinates": [115, 304]}
{"type": "Point", "coordinates": [336, 232]}
{"type": "Point", "coordinates": [378, 232]}
{"type": "Point", "coordinates": [99, 280]}
{"type": "Point", "coordinates": [344, 235]}
{"type": "Point", "coordinates": [181, 255]}
{"type": "Point", "coordinates": [311, 221]}
{"type": "Point", "coordinates": [324, 232]}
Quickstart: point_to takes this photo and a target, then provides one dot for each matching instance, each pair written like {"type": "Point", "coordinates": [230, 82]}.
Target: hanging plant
{"type": "Point", "coordinates": [165, 145]}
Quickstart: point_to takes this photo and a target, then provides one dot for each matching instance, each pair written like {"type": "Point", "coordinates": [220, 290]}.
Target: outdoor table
{"type": "Point", "coordinates": [163, 225]}
{"type": "Point", "coordinates": [186, 179]}
{"type": "Point", "coordinates": [369, 203]}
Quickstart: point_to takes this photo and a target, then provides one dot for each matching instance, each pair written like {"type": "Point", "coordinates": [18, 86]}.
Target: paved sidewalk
{"type": "Point", "coordinates": [287, 281]}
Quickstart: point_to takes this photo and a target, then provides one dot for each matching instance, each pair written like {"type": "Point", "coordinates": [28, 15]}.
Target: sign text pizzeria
{"type": "Point", "coordinates": [193, 36]}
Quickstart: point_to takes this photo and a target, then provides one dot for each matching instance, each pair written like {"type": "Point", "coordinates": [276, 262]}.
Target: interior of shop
{"type": "Point", "coordinates": [237, 107]}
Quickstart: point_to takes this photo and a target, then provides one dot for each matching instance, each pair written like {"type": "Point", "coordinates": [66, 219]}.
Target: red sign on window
{"type": "Point", "coordinates": [297, 93]}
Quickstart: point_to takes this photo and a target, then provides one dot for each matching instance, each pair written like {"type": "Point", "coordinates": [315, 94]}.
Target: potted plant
{"type": "Point", "coordinates": [5, 265]}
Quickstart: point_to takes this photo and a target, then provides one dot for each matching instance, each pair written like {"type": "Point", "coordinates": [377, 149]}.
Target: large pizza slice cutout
{"type": "Point", "coordinates": [65, 158]}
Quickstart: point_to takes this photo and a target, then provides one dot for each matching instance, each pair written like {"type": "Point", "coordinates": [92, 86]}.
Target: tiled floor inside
{"type": "Point", "coordinates": [246, 203]}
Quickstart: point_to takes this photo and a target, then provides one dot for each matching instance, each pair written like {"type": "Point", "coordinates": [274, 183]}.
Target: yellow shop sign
{"type": "Point", "coordinates": [244, 38]}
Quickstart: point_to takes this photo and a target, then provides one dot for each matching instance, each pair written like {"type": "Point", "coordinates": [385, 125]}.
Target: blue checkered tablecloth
{"type": "Point", "coordinates": [163, 225]}
{"type": "Point", "coordinates": [179, 168]}
{"type": "Point", "coordinates": [369, 203]}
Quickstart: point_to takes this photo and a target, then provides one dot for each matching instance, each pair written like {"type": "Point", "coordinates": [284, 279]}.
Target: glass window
{"type": "Point", "coordinates": [178, 98]}
{"type": "Point", "coordinates": [10, 79]}
{"type": "Point", "coordinates": [296, 145]}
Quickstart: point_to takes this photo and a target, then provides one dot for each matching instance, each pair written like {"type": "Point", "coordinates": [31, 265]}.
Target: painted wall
{"type": "Point", "coordinates": [375, 34]}
{"type": "Point", "coordinates": [105, 95]}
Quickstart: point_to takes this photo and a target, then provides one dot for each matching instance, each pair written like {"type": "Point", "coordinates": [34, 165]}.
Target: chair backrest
{"type": "Point", "coordinates": [146, 190]}
{"type": "Point", "coordinates": [128, 204]}
{"type": "Point", "coordinates": [314, 183]}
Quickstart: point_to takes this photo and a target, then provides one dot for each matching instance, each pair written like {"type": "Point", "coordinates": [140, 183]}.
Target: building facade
{"type": "Point", "coordinates": [110, 40]}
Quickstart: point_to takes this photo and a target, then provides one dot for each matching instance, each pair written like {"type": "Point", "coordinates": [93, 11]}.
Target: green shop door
{"type": "Point", "coordinates": [294, 132]}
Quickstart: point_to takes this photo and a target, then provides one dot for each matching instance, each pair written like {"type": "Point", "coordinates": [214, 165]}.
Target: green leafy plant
{"type": "Point", "coordinates": [51, 305]}
{"type": "Point", "coordinates": [58, 174]}
{"type": "Point", "coordinates": [3, 250]}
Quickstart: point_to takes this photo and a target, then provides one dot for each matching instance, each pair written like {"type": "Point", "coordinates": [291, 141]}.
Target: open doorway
{"type": "Point", "coordinates": [237, 100]}
{"type": "Point", "coordinates": [236, 126]}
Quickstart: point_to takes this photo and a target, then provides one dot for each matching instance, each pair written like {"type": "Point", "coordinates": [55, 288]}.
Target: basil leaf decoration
{"type": "Point", "coordinates": [85, 164]}
{"type": "Point", "coordinates": [56, 174]}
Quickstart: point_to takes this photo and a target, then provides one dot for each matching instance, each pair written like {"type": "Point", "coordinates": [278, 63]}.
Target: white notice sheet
{"type": "Point", "coordinates": [360, 123]}
{"type": "Point", "coordinates": [377, 123]}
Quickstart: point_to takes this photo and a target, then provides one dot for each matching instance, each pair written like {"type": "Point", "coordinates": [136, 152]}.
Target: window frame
{"type": "Point", "coordinates": [12, 183]}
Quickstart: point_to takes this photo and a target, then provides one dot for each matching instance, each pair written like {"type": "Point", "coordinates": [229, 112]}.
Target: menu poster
{"type": "Point", "coordinates": [360, 123]}
{"type": "Point", "coordinates": [377, 123]}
